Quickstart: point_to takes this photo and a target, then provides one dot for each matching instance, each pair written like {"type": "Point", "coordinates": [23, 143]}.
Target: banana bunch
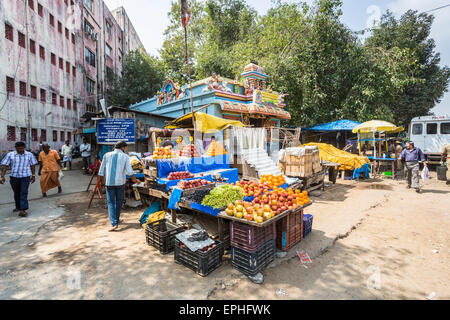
{"type": "Point", "coordinates": [160, 215]}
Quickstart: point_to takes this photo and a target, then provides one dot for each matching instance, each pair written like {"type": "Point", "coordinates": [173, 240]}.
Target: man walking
{"type": "Point", "coordinates": [85, 150]}
{"type": "Point", "coordinates": [50, 163]}
{"type": "Point", "coordinates": [115, 167]}
{"type": "Point", "coordinates": [446, 154]}
{"type": "Point", "coordinates": [67, 152]}
{"type": "Point", "coordinates": [22, 165]}
{"type": "Point", "coordinates": [411, 156]}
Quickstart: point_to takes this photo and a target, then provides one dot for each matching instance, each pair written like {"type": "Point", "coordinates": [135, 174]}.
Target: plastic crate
{"type": "Point", "coordinates": [201, 262]}
{"type": "Point", "coordinates": [250, 238]}
{"type": "Point", "coordinates": [161, 235]}
{"type": "Point", "coordinates": [307, 224]}
{"type": "Point", "coordinates": [286, 239]}
{"type": "Point", "coordinates": [251, 263]}
{"type": "Point", "coordinates": [293, 219]}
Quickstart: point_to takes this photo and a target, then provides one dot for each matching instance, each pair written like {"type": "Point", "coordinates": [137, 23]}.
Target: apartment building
{"type": "Point", "coordinates": [54, 59]}
{"type": "Point", "coordinates": [132, 41]}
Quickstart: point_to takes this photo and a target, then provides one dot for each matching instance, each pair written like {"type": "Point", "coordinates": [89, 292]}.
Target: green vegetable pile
{"type": "Point", "coordinates": [220, 196]}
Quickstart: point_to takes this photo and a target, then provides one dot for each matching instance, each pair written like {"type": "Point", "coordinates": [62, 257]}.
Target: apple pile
{"type": "Point", "coordinates": [249, 211]}
{"type": "Point", "coordinates": [280, 200]}
{"type": "Point", "coordinates": [190, 184]}
{"type": "Point", "coordinates": [180, 175]}
{"type": "Point", "coordinates": [190, 151]}
{"type": "Point", "coordinates": [253, 188]}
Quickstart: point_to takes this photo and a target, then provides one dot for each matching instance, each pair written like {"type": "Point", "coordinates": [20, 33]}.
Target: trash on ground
{"type": "Point", "coordinates": [304, 257]}
{"type": "Point", "coordinates": [281, 292]}
{"type": "Point", "coordinates": [258, 279]}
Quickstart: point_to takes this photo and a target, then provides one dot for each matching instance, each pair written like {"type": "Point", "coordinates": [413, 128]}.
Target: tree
{"type": "Point", "coordinates": [142, 76]}
{"type": "Point", "coordinates": [412, 32]}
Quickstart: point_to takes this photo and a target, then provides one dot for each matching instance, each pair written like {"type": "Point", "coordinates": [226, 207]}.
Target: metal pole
{"type": "Point", "coordinates": [28, 79]}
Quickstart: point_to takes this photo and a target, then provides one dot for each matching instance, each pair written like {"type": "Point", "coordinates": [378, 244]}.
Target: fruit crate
{"type": "Point", "coordinates": [250, 238]}
{"type": "Point", "coordinates": [307, 224]}
{"type": "Point", "coordinates": [293, 219]}
{"type": "Point", "coordinates": [201, 262]}
{"type": "Point", "coordinates": [287, 239]}
{"type": "Point", "coordinates": [161, 235]}
{"type": "Point", "coordinates": [251, 263]}
{"type": "Point", "coordinates": [187, 192]}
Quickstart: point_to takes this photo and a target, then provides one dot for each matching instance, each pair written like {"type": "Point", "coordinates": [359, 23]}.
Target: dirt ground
{"type": "Point", "coordinates": [370, 240]}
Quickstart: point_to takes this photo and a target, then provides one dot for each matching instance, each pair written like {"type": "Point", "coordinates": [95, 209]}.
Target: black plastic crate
{"type": "Point", "coordinates": [251, 263]}
{"type": "Point", "coordinates": [307, 224]}
{"type": "Point", "coordinates": [201, 262]}
{"type": "Point", "coordinates": [161, 235]}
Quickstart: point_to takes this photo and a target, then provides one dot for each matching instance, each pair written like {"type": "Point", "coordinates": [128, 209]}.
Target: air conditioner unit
{"type": "Point", "coordinates": [94, 36]}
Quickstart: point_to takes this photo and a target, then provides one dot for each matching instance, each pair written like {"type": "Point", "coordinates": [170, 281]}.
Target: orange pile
{"type": "Point", "coordinates": [273, 181]}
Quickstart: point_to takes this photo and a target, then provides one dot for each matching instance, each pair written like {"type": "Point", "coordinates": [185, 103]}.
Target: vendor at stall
{"type": "Point", "coordinates": [116, 165]}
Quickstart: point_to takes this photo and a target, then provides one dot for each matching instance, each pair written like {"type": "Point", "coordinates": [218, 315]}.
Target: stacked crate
{"type": "Point", "coordinates": [301, 162]}
{"type": "Point", "coordinates": [252, 248]}
{"type": "Point", "coordinates": [290, 230]}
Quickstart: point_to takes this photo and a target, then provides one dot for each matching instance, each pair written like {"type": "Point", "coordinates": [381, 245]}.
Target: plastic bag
{"type": "Point", "coordinates": [425, 174]}
{"type": "Point", "coordinates": [60, 174]}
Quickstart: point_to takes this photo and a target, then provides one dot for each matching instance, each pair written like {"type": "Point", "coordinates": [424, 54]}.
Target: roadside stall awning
{"type": "Point", "coordinates": [204, 122]}
{"type": "Point", "coordinates": [340, 125]}
{"type": "Point", "coordinates": [377, 126]}
{"type": "Point", "coordinates": [254, 108]}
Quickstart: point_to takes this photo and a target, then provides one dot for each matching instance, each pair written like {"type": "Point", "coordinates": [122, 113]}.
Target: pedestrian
{"type": "Point", "coordinates": [398, 152]}
{"type": "Point", "coordinates": [85, 150]}
{"type": "Point", "coordinates": [67, 152]}
{"type": "Point", "coordinates": [116, 165]}
{"type": "Point", "coordinates": [446, 154]}
{"type": "Point", "coordinates": [22, 164]}
{"type": "Point", "coordinates": [411, 157]}
{"type": "Point", "coordinates": [50, 163]}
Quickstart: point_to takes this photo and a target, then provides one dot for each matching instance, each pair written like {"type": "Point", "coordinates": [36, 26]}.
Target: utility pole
{"type": "Point", "coordinates": [28, 79]}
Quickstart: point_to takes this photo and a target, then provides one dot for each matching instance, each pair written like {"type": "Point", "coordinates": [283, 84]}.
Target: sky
{"type": "Point", "coordinates": [149, 18]}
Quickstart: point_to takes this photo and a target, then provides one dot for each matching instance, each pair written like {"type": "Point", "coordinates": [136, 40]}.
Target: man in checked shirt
{"type": "Point", "coordinates": [22, 164]}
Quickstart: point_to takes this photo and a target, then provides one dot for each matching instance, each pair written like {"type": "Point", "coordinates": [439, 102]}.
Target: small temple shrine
{"type": "Point", "coordinates": [247, 100]}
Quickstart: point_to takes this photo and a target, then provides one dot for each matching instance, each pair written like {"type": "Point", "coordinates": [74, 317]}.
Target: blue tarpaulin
{"type": "Point", "coordinates": [340, 125]}
{"type": "Point", "coordinates": [193, 165]}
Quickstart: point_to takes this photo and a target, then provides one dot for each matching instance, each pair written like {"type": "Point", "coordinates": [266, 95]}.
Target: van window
{"type": "Point", "coordinates": [432, 128]}
{"type": "Point", "coordinates": [445, 128]}
{"type": "Point", "coordinates": [417, 129]}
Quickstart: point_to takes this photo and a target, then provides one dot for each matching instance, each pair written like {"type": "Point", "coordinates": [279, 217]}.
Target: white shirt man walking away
{"type": "Point", "coordinates": [67, 152]}
{"type": "Point", "coordinates": [115, 167]}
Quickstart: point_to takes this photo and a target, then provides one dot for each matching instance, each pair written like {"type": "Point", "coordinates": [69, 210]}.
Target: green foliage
{"type": "Point", "coordinates": [142, 76]}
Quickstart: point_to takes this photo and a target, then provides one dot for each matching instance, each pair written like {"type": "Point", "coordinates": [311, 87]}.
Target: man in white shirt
{"type": "Point", "coordinates": [116, 165]}
{"type": "Point", "coordinates": [67, 152]}
{"type": "Point", "coordinates": [85, 150]}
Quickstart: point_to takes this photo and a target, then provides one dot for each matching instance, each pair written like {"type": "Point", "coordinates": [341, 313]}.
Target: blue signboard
{"type": "Point", "coordinates": [111, 131]}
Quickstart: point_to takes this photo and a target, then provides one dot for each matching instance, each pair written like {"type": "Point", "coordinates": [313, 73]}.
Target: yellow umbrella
{"type": "Point", "coordinates": [377, 126]}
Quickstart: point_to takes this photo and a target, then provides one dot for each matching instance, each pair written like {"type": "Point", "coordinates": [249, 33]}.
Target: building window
{"type": "Point", "coordinates": [32, 46]}
{"type": "Point", "coordinates": [61, 63]}
{"type": "Point", "coordinates": [42, 52]}
{"type": "Point", "coordinates": [23, 134]}
{"type": "Point", "coordinates": [10, 85]}
{"type": "Point", "coordinates": [432, 128]}
{"type": "Point", "coordinates": [11, 133]}
{"type": "Point", "coordinates": [34, 134]}
{"type": "Point", "coordinates": [74, 72]}
{"type": "Point", "coordinates": [73, 38]}
{"type": "Point", "coordinates": [23, 88]}
{"type": "Point", "coordinates": [88, 4]}
{"type": "Point", "coordinates": [33, 92]}
{"type": "Point", "coordinates": [90, 108]}
{"type": "Point", "coordinates": [74, 105]}
{"type": "Point", "coordinates": [9, 32]}
{"type": "Point", "coordinates": [68, 67]}
{"type": "Point", "coordinates": [61, 101]}
{"type": "Point", "coordinates": [31, 4]}
{"type": "Point", "coordinates": [90, 57]}
{"type": "Point", "coordinates": [108, 50]}
{"type": "Point", "coordinates": [108, 28]}
{"type": "Point", "coordinates": [63, 136]}
{"type": "Point", "coordinates": [90, 85]}
{"type": "Point", "coordinates": [52, 20]}
{"type": "Point", "coordinates": [44, 135]}
{"type": "Point", "coordinates": [69, 104]}
{"type": "Point", "coordinates": [55, 136]}
{"type": "Point", "coordinates": [69, 136]}
{"type": "Point", "coordinates": [88, 29]}
{"type": "Point", "coordinates": [40, 10]}
{"type": "Point", "coordinates": [67, 34]}
{"type": "Point", "coordinates": [54, 101]}
{"type": "Point", "coordinates": [59, 27]}
{"type": "Point", "coordinates": [21, 39]}
{"type": "Point", "coordinates": [43, 95]}
{"type": "Point", "coordinates": [53, 59]}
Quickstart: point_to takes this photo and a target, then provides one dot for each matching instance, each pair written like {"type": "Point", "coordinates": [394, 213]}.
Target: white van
{"type": "Point", "coordinates": [430, 134]}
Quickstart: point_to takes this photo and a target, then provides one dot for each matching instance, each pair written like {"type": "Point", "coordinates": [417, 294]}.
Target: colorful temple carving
{"type": "Point", "coordinates": [247, 100]}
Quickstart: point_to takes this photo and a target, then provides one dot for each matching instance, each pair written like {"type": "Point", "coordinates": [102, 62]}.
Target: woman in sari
{"type": "Point", "coordinates": [50, 163]}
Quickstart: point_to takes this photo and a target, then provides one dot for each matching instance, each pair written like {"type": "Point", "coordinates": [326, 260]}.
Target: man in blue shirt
{"type": "Point", "coordinates": [115, 167]}
{"type": "Point", "coordinates": [411, 156]}
{"type": "Point", "coordinates": [22, 164]}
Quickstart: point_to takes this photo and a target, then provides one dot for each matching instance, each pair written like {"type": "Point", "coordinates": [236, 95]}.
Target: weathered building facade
{"type": "Point", "coordinates": [54, 59]}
